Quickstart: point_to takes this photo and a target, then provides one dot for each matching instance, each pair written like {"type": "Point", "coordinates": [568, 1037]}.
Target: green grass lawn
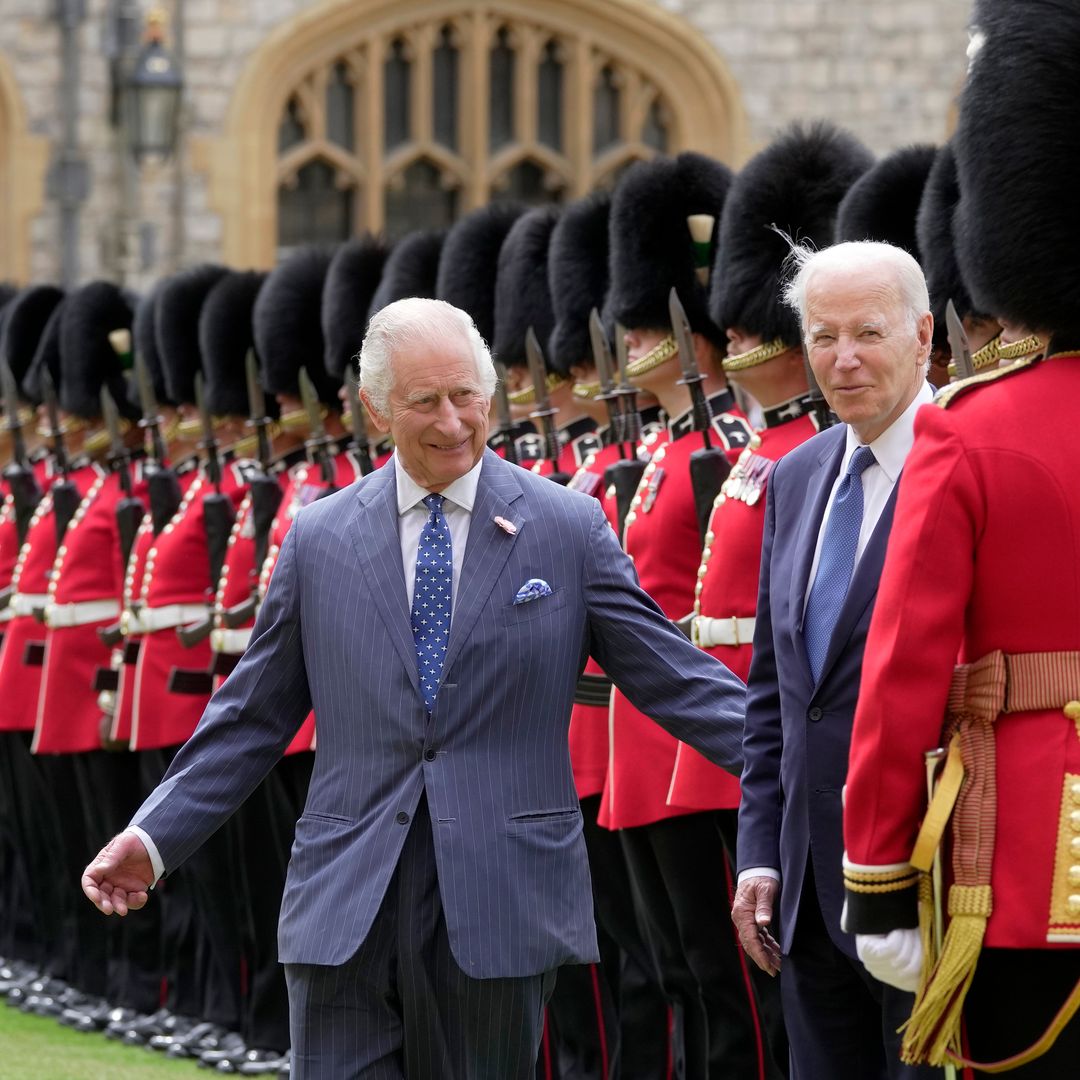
{"type": "Point", "coordinates": [32, 1048]}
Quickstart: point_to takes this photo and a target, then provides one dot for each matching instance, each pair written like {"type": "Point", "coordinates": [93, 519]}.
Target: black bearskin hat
{"type": "Point", "coordinates": [144, 341]}
{"type": "Point", "coordinates": [577, 278]}
{"type": "Point", "coordinates": [225, 336]}
{"type": "Point", "coordinates": [796, 183]}
{"type": "Point", "coordinates": [176, 326]}
{"type": "Point", "coordinates": [884, 202]}
{"type": "Point", "coordinates": [88, 360]}
{"type": "Point", "coordinates": [410, 270]}
{"type": "Point", "coordinates": [469, 261]}
{"type": "Point", "coordinates": [1018, 219]}
{"type": "Point", "coordinates": [25, 318]}
{"type": "Point", "coordinates": [350, 284]}
{"type": "Point", "coordinates": [46, 356]}
{"type": "Point", "coordinates": [651, 245]}
{"type": "Point", "coordinates": [288, 325]}
{"type": "Point", "coordinates": [522, 296]}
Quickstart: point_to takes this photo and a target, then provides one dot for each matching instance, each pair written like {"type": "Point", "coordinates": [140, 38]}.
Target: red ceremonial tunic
{"type": "Point", "coordinates": [727, 589]}
{"type": "Point", "coordinates": [87, 569]}
{"type": "Point", "coordinates": [176, 571]}
{"type": "Point", "coordinates": [304, 487]}
{"type": "Point", "coordinates": [983, 556]}
{"type": "Point", "coordinates": [20, 683]}
{"type": "Point", "coordinates": [662, 537]}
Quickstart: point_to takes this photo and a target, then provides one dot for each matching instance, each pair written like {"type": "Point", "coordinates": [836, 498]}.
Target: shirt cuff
{"type": "Point", "coordinates": [151, 850]}
{"type": "Point", "coordinates": [758, 871]}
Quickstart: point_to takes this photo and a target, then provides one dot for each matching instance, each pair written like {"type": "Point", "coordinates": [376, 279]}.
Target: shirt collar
{"type": "Point", "coordinates": [462, 492]}
{"type": "Point", "coordinates": [893, 445]}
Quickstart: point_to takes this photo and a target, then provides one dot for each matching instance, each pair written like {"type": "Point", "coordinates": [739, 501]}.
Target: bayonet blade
{"type": "Point", "coordinates": [257, 407]}
{"type": "Point", "coordinates": [11, 407]}
{"type": "Point", "coordinates": [502, 400]}
{"type": "Point", "coordinates": [209, 443]}
{"type": "Point", "coordinates": [622, 358]}
{"type": "Point", "coordinates": [151, 419]}
{"type": "Point", "coordinates": [310, 398]}
{"type": "Point", "coordinates": [538, 371]}
{"type": "Point", "coordinates": [52, 410]}
{"type": "Point", "coordinates": [684, 339]}
{"type": "Point", "coordinates": [359, 426]}
{"type": "Point", "coordinates": [601, 354]}
{"type": "Point", "coordinates": [111, 415]}
{"type": "Point", "coordinates": [958, 342]}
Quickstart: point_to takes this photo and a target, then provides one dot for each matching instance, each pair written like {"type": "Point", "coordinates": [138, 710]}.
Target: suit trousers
{"type": "Point", "coordinates": [400, 1008]}
{"type": "Point", "coordinates": [841, 1022]}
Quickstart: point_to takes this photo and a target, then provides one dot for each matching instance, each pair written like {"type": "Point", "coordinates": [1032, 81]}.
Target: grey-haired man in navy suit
{"type": "Point", "coordinates": [436, 616]}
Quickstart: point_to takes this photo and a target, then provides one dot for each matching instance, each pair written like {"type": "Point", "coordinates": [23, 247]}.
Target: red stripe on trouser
{"type": "Point", "coordinates": [670, 1044]}
{"type": "Point", "coordinates": [601, 1034]}
{"type": "Point", "coordinates": [545, 1045]}
{"type": "Point", "coordinates": [750, 996]}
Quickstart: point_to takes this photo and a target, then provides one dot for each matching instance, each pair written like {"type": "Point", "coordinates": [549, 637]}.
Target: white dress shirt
{"type": "Point", "coordinates": [459, 498]}
{"type": "Point", "coordinates": [890, 450]}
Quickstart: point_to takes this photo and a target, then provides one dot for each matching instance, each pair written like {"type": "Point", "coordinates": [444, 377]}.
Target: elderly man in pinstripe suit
{"type": "Point", "coordinates": [436, 615]}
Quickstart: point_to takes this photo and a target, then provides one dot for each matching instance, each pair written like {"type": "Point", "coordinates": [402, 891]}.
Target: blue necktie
{"type": "Point", "coordinates": [837, 561]}
{"type": "Point", "coordinates": [431, 598]}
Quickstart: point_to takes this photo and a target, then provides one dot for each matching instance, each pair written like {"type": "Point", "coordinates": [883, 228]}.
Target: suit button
{"type": "Point", "coordinates": [814, 715]}
{"type": "Point", "coordinates": [402, 818]}
{"type": "Point", "coordinates": [429, 754]}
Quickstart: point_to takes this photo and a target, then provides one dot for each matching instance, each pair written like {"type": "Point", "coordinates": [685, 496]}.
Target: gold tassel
{"type": "Point", "coordinates": [932, 1033]}
{"type": "Point", "coordinates": [926, 929]}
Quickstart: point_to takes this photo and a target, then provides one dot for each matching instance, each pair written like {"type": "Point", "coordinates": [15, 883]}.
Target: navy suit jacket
{"type": "Point", "coordinates": [798, 733]}
{"type": "Point", "coordinates": [492, 758]}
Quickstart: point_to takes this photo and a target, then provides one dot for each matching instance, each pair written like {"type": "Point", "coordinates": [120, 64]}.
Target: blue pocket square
{"type": "Point", "coordinates": [533, 589]}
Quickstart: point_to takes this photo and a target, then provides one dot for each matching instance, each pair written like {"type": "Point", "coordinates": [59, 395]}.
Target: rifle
{"type": "Point", "coordinates": [605, 373]}
{"type": "Point", "coordinates": [962, 364]}
{"type": "Point", "coordinates": [65, 495]}
{"type": "Point", "coordinates": [543, 411]}
{"type": "Point", "coordinates": [218, 516]}
{"type": "Point", "coordinates": [709, 467]}
{"type": "Point", "coordinates": [361, 443]}
{"type": "Point", "coordinates": [505, 430]}
{"type": "Point", "coordinates": [319, 441]}
{"type": "Point", "coordinates": [20, 479]}
{"type": "Point", "coordinates": [163, 487]}
{"type": "Point", "coordinates": [129, 510]}
{"type": "Point", "coordinates": [625, 475]}
{"type": "Point", "coordinates": [266, 493]}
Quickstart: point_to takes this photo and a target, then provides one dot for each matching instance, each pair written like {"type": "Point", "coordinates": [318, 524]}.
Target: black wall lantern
{"type": "Point", "coordinates": [150, 93]}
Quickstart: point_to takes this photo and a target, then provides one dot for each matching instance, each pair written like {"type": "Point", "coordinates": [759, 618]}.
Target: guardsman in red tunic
{"type": "Point", "coordinates": [973, 649]}
{"type": "Point", "coordinates": [663, 223]}
{"type": "Point", "coordinates": [30, 928]}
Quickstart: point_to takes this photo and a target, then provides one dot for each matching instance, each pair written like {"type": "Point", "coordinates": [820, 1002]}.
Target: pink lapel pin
{"type": "Point", "coordinates": [507, 527]}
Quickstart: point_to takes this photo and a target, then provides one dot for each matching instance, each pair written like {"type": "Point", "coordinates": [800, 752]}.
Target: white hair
{"type": "Point", "coordinates": [908, 279]}
{"type": "Point", "coordinates": [410, 322]}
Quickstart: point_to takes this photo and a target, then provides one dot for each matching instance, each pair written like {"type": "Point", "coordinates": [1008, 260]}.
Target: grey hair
{"type": "Point", "coordinates": [803, 262]}
{"type": "Point", "coordinates": [410, 322]}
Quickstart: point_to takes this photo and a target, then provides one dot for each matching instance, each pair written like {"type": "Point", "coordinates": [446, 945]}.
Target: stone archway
{"type": "Point", "coordinates": [701, 97]}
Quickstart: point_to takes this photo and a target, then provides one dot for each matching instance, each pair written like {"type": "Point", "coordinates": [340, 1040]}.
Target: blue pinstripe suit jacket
{"type": "Point", "coordinates": [334, 633]}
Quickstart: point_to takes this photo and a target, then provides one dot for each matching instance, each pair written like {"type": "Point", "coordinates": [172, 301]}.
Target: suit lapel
{"type": "Point", "coordinates": [818, 489]}
{"type": "Point", "coordinates": [864, 583]}
{"type": "Point", "coordinates": [488, 548]}
{"type": "Point", "coordinates": [373, 529]}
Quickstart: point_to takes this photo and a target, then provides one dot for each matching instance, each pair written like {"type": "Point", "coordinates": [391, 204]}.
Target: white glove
{"type": "Point", "coordinates": [895, 958]}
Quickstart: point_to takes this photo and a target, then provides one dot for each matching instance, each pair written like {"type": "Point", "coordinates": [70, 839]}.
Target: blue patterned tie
{"type": "Point", "coordinates": [431, 598]}
{"type": "Point", "coordinates": [837, 561]}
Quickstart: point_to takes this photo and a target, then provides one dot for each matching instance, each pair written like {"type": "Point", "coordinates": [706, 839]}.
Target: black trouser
{"type": "Point", "coordinates": [19, 926]}
{"type": "Point", "coordinates": [182, 992]}
{"type": "Point", "coordinates": [267, 822]}
{"type": "Point", "coordinates": [642, 1048]}
{"type": "Point", "coordinates": [1013, 997]}
{"type": "Point", "coordinates": [840, 1020]}
{"type": "Point", "coordinates": [680, 872]}
{"type": "Point", "coordinates": [401, 1007]}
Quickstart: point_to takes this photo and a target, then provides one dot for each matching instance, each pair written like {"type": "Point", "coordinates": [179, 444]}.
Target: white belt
{"type": "Point", "coordinates": [167, 616]}
{"type": "Point", "coordinates": [81, 613]}
{"type": "Point", "coordinates": [6, 614]}
{"type": "Point", "coordinates": [707, 632]}
{"type": "Point", "coordinates": [230, 641]}
{"type": "Point", "coordinates": [23, 603]}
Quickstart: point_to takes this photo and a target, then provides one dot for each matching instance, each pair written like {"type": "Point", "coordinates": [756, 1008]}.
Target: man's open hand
{"type": "Point", "coordinates": [118, 879]}
{"type": "Point", "coordinates": [752, 914]}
